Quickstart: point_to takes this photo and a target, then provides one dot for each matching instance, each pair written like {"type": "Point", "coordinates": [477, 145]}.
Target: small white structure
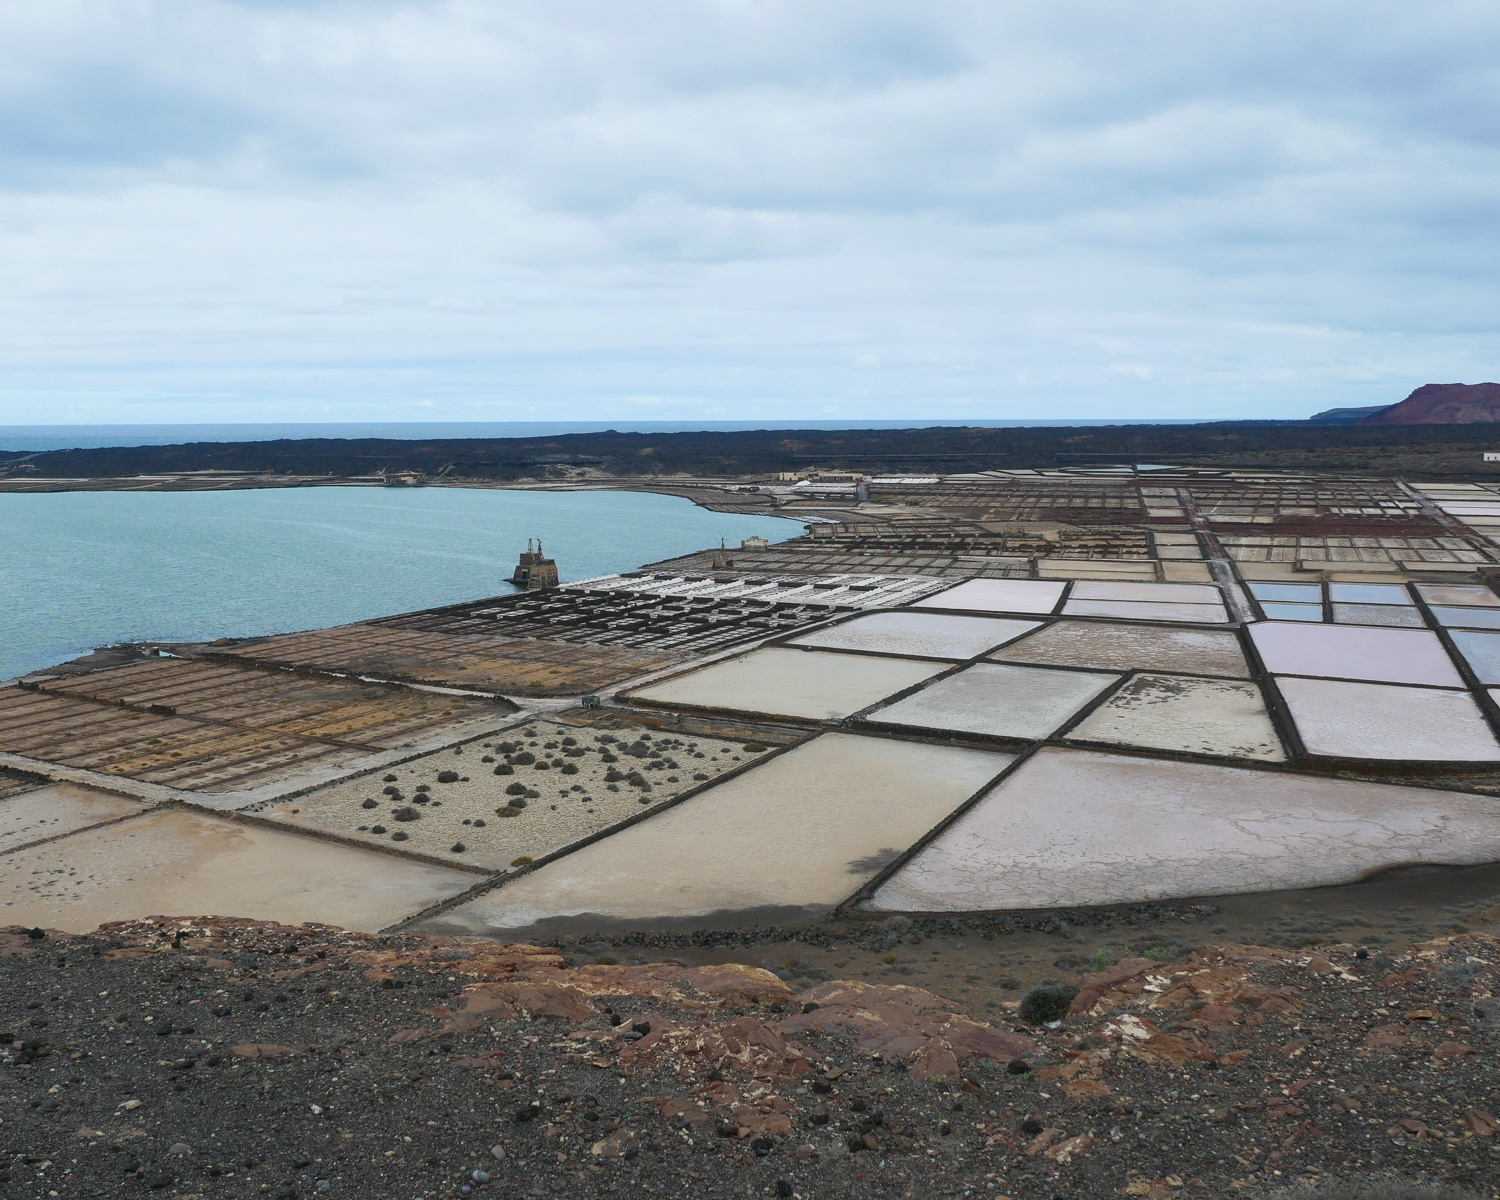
{"type": "Point", "coordinates": [1492, 456]}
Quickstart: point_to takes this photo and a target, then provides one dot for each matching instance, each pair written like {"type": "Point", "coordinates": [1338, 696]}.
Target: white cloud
{"type": "Point", "coordinates": [271, 210]}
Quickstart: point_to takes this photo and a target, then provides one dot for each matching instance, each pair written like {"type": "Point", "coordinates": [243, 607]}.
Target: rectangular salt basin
{"type": "Point", "coordinates": [1354, 652]}
{"type": "Point", "coordinates": [58, 808]}
{"type": "Point", "coordinates": [796, 835]}
{"type": "Point", "coordinates": [1467, 618]}
{"type": "Point", "coordinates": [174, 862]}
{"type": "Point", "coordinates": [1122, 647]}
{"type": "Point", "coordinates": [1075, 827]}
{"type": "Point", "coordinates": [1384, 721]}
{"type": "Point", "coordinates": [1206, 614]}
{"type": "Point", "coordinates": [1469, 594]}
{"type": "Point", "coordinates": [1482, 651]}
{"type": "Point", "coordinates": [1378, 614]}
{"type": "Point", "coordinates": [999, 595]}
{"type": "Point", "coordinates": [810, 684]}
{"type": "Point", "coordinates": [475, 819]}
{"type": "Point", "coordinates": [997, 699]}
{"type": "Point", "coordinates": [919, 634]}
{"type": "Point", "coordinates": [1293, 593]}
{"type": "Point", "coordinates": [1462, 508]}
{"type": "Point", "coordinates": [1292, 612]}
{"type": "Point", "coordinates": [1369, 593]}
{"type": "Point", "coordinates": [1149, 593]}
{"type": "Point", "coordinates": [1196, 716]}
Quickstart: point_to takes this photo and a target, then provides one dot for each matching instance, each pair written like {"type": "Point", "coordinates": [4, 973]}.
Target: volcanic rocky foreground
{"type": "Point", "coordinates": [230, 1058]}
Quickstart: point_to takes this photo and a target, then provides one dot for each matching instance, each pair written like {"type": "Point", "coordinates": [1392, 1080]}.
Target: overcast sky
{"type": "Point", "coordinates": [388, 210]}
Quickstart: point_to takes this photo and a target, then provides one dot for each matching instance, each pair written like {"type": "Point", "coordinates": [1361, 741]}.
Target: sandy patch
{"type": "Point", "coordinates": [177, 862]}
{"type": "Point", "coordinates": [58, 808]}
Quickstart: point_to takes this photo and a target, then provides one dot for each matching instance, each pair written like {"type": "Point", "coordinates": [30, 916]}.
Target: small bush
{"type": "Point", "coordinates": [569, 769]}
{"type": "Point", "coordinates": [369, 804]}
{"type": "Point", "coordinates": [523, 861]}
{"type": "Point", "coordinates": [755, 748]}
{"type": "Point", "coordinates": [447, 776]}
{"type": "Point", "coordinates": [505, 769]}
{"type": "Point", "coordinates": [1047, 1002]}
{"type": "Point", "coordinates": [389, 779]}
{"type": "Point", "coordinates": [390, 791]}
{"type": "Point", "coordinates": [516, 789]}
{"type": "Point", "coordinates": [524, 759]}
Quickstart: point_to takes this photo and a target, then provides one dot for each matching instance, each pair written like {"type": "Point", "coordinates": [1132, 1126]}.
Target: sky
{"type": "Point", "coordinates": [276, 211]}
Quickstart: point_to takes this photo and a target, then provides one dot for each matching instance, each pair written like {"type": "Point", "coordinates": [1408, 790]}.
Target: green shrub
{"type": "Point", "coordinates": [1046, 1003]}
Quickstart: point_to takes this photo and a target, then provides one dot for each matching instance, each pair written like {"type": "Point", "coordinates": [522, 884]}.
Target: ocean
{"type": "Point", "coordinates": [79, 570]}
{"type": "Point", "coordinates": [30, 438]}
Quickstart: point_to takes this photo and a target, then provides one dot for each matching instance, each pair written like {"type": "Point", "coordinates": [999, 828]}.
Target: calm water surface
{"type": "Point", "coordinates": [86, 569]}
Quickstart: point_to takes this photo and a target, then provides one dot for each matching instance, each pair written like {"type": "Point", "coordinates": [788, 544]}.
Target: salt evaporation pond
{"type": "Point", "coordinates": [1086, 827]}
{"type": "Point", "coordinates": [796, 835]}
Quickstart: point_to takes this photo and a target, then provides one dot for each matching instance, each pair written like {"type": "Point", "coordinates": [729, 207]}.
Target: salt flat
{"type": "Point", "coordinates": [1118, 646]}
{"type": "Point", "coordinates": [58, 808]}
{"type": "Point", "coordinates": [176, 861]}
{"type": "Point", "coordinates": [1225, 717]}
{"type": "Point", "coordinates": [794, 836]}
{"type": "Point", "coordinates": [1087, 827]}
{"type": "Point", "coordinates": [792, 683]}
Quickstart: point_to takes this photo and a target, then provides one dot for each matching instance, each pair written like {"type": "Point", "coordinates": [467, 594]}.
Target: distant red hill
{"type": "Point", "coordinates": [1442, 404]}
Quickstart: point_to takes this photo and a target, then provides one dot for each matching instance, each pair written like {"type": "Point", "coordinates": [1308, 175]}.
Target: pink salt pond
{"type": "Point", "coordinates": [1354, 652]}
{"type": "Point", "coordinates": [1072, 827]}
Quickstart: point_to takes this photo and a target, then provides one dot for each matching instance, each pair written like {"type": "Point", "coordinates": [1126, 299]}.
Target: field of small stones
{"type": "Point", "coordinates": [497, 804]}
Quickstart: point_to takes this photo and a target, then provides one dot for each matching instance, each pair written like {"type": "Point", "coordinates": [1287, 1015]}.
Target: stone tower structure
{"type": "Point", "coordinates": [535, 570]}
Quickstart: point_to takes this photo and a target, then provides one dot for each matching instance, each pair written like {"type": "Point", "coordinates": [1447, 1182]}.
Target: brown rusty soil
{"type": "Point", "coordinates": [210, 1057]}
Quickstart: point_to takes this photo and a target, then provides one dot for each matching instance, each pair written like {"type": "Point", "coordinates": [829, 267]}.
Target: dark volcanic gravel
{"type": "Point", "coordinates": [218, 1058]}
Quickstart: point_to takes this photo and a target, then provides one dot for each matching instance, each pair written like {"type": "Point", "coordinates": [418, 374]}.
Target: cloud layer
{"type": "Point", "coordinates": [582, 209]}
